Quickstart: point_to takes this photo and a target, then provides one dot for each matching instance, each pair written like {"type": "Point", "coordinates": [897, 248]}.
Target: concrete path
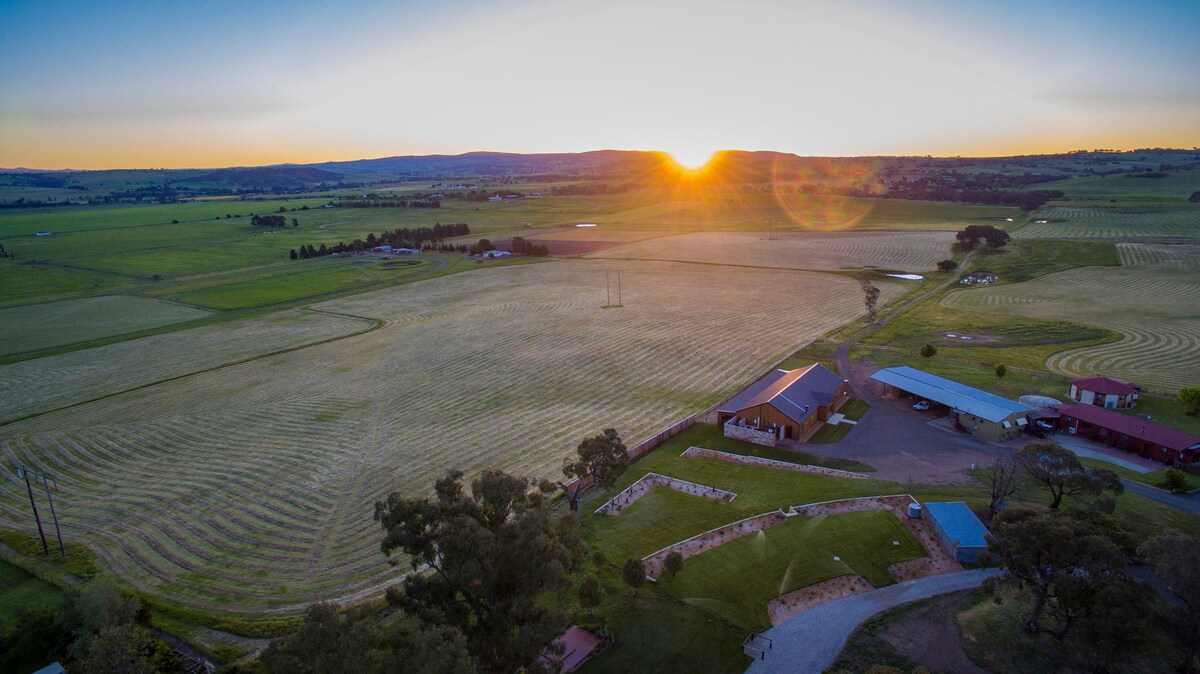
{"type": "Point", "coordinates": [1185, 502]}
{"type": "Point", "coordinates": [810, 641]}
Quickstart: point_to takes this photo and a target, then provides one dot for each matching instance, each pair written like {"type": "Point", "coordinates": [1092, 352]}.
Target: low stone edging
{"type": "Point", "coordinates": [637, 490]}
{"type": "Point", "coordinates": [787, 605]}
{"type": "Point", "coordinates": [712, 538]}
{"type": "Point", "coordinates": [771, 463]}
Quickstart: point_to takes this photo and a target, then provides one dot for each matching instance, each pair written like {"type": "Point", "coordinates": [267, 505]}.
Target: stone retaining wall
{"type": "Point", "coordinates": [748, 434]}
{"type": "Point", "coordinates": [712, 538]}
{"type": "Point", "coordinates": [638, 489]}
{"type": "Point", "coordinates": [772, 463]}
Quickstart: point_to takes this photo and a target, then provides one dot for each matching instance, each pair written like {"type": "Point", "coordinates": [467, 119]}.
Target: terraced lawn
{"type": "Point", "coordinates": [251, 487]}
{"type": "Point", "coordinates": [736, 580]}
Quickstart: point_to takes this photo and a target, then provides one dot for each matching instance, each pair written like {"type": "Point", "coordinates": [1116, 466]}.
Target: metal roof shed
{"type": "Point", "coordinates": [950, 393]}
{"type": "Point", "coordinates": [959, 528]}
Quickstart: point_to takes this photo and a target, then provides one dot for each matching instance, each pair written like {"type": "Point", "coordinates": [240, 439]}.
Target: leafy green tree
{"type": "Point", "coordinates": [674, 562]}
{"type": "Point", "coordinates": [994, 238]}
{"type": "Point", "coordinates": [601, 457]}
{"type": "Point", "coordinates": [870, 296]}
{"type": "Point", "coordinates": [634, 573]}
{"type": "Point", "coordinates": [1175, 480]}
{"type": "Point", "coordinates": [1058, 471]}
{"type": "Point", "coordinates": [1059, 562]}
{"type": "Point", "coordinates": [1189, 400]}
{"type": "Point", "coordinates": [480, 561]}
{"type": "Point", "coordinates": [1001, 370]}
{"type": "Point", "coordinates": [97, 607]}
{"type": "Point", "coordinates": [293, 254]}
{"type": "Point", "coordinates": [128, 649]}
{"type": "Point", "coordinates": [947, 265]}
{"type": "Point", "coordinates": [928, 351]}
{"type": "Point", "coordinates": [1176, 561]}
{"type": "Point", "coordinates": [590, 593]}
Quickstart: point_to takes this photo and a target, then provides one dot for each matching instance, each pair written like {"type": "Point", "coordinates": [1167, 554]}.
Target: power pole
{"type": "Point", "coordinates": [46, 483]}
{"type": "Point", "coordinates": [607, 291]}
{"type": "Point", "coordinates": [619, 304]}
{"type": "Point", "coordinates": [22, 473]}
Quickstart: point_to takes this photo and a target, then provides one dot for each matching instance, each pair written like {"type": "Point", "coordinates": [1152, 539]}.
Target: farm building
{"type": "Point", "coordinates": [45, 233]}
{"type": "Point", "coordinates": [960, 530]}
{"type": "Point", "coordinates": [407, 251]}
{"type": "Point", "coordinates": [495, 254]}
{"type": "Point", "coordinates": [980, 278]}
{"type": "Point", "coordinates": [381, 249]}
{"type": "Point", "coordinates": [984, 415]}
{"type": "Point", "coordinates": [784, 404]}
{"type": "Point", "coordinates": [1144, 438]}
{"type": "Point", "coordinates": [1105, 392]}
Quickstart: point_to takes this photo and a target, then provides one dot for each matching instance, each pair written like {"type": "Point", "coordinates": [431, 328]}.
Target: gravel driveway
{"type": "Point", "coordinates": [812, 640]}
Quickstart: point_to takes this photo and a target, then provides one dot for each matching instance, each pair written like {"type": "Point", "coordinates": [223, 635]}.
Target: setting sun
{"type": "Point", "coordinates": [692, 160]}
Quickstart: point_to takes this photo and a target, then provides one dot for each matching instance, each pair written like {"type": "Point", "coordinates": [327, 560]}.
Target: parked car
{"type": "Point", "coordinates": [921, 406]}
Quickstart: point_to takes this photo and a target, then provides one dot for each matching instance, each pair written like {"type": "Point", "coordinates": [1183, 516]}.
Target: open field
{"type": "Point", "coordinates": [42, 326]}
{"type": "Point", "coordinates": [1070, 222]}
{"type": "Point", "coordinates": [251, 486]}
{"type": "Point", "coordinates": [902, 251]}
{"type": "Point", "coordinates": [1151, 300]}
{"type": "Point", "coordinates": [739, 578]}
{"type": "Point", "coordinates": [1174, 187]}
{"type": "Point", "coordinates": [38, 385]}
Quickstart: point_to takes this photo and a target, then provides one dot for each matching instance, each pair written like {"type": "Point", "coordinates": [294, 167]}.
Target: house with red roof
{"type": "Point", "coordinates": [1105, 392]}
{"type": "Point", "coordinates": [1142, 437]}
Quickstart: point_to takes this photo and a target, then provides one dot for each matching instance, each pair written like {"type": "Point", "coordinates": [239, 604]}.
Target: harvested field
{"type": "Point", "coordinates": [906, 251]}
{"type": "Point", "coordinates": [44, 326]}
{"type": "Point", "coordinates": [32, 386]}
{"type": "Point", "coordinates": [1064, 222]}
{"type": "Point", "coordinates": [250, 487]}
{"type": "Point", "coordinates": [1151, 299]}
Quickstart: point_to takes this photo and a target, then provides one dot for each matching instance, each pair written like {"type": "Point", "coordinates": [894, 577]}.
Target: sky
{"type": "Point", "coordinates": [170, 84]}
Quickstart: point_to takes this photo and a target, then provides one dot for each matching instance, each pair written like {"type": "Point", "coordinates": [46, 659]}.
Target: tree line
{"type": "Point", "coordinates": [274, 221]}
{"type": "Point", "coordinates": [387, 202]}
{"type": "Point", "coordinates": [424, 238]}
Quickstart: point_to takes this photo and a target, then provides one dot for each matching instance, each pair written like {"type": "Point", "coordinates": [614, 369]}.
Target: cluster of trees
{"type": "Point", "coordinates": [520, 246]}
{"type": "Point", "coordinates": [424, 238]}
{"type": "Point", "coordinates": [94, 630]}
{"type": "Point", "coordinates": [387, 202]}
{"type": "Point", "coordinates": [589, 189]}
{"type": "Point", "coordinates": [993, 237]}
{"type": "Point", "coordinates": [976, 188]}
{"type": "Point", "coordinates": [276, 221]}
{"type": "Point", "coordinates": [1189, 400]}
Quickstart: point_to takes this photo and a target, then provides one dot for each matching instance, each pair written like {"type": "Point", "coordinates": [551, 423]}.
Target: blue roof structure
{"type": "Point", "coordinates": [950, 393]}
{"type": "Point", "coordinates": [959, 523]}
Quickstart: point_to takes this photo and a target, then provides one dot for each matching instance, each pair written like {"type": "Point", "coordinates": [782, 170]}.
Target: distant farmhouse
{"type": "Point", "coordinates": [1144, 438]}
{"type": "Point", "coordinates": [1105, 392]}
{"type": "Point", "coordinates": [45, 234]}
{"type": "Point", "coordinates": [980, 278]}
{"type": "Point", "coordinates": [984, 415]}
{"type": "Point", "coordinates": [784, 405]}
{"type": "Point", "coordinates": [492, 254]}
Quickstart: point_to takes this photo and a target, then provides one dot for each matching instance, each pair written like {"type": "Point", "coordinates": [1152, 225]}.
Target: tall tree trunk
{"type": "Point", "coordinates": [1032, 623]}
{"type": "Point", "coordinates": [1058, 496]}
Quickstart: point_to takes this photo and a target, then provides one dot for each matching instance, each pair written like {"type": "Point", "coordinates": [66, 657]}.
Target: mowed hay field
{"type": "Point", "coordinates": [44, 326]}
{"type": "Point", "coordinates": [250, 487]}
{"type": "Point", "coordinates": [1065, 222]}
{"type": "Point", "coordinates": [907, 251]}
{"type": "Point", "coordinates": [32, 386]}
{"type": "Point", "coordinates": [1152, 299]}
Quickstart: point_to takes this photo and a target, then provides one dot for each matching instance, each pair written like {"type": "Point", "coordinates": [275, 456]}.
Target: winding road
{"type": "Point", "coordinates": [810, 641]}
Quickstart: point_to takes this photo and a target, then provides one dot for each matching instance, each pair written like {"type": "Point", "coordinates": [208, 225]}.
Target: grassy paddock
{"type": "Point", "coordinates": [737, 579]}
{"type": "Point", "coordinates": [854, 409]}
{"type": "Point", "coordinates": [34, 327]}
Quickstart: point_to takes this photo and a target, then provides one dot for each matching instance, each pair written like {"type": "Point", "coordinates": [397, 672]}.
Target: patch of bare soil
{"type": "Point", "coordinates": [929, 635]}
{"type": "Point", "coordinates": [787, 605]}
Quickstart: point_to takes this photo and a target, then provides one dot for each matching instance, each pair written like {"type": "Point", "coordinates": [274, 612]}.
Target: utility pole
{"type": "Point", "coordinates": [607, 290]}
{"type": "Point", "coordinates": [22, 473]}
{"type": "Point", "coordinates": [619, 304]}
{"type": "Point", "coordinates": [46, 483]}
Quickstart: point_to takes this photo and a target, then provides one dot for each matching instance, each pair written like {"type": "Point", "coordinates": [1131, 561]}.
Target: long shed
{"type": "Point", "coordinates": [984, 415]}
{"type": "Point", "coordinates": [960, 530]}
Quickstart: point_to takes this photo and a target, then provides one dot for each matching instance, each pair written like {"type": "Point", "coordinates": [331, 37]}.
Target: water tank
{"type": "Point", "coordinates": [914, 511]}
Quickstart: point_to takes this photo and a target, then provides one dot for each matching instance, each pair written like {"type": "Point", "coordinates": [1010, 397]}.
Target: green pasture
{"type": "Point", "coordinates": [737, 579]}
{"type": "Point", "coordinates": [1126, 188]}
{"type": "Point", "coordinates": [20, 590]}
{"type": "Point", "coordinates": [854, 409]}
{"type": "Point", "coordinates": [43, 326]}
{"type": "Point", "coordinates": [1022, 260]}
{"type": "Point", "coordinates": [1151, 479]}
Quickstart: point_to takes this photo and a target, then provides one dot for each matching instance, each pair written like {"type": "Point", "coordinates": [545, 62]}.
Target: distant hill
{"type": "Point", "coordinates": [267, 177]}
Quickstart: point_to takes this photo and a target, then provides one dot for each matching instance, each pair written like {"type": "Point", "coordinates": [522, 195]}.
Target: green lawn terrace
{"type": "Point", "coordinates": [781, 553]}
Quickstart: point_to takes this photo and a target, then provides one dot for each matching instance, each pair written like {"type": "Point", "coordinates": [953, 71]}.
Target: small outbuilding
{"type": "Point", "coordinates": [1105, 392]}
{"type": "Point", "coordinates": [961, 531]}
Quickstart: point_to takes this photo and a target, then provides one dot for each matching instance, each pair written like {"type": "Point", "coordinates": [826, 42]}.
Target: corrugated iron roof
{"type": "Point", "coordinates": [950, 393]}
{"type": "Point", "coordinates": [1105, 386]}
{"type": "Point", "coordinates": [959, 523]}
{"type": "Point", "coordinates": [796, 393]}
{"type": "Point", "coordinates": [1139, 429]}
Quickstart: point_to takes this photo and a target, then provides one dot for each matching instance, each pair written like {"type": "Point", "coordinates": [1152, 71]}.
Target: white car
{"type": "Point", "coordinates": [921, 406]}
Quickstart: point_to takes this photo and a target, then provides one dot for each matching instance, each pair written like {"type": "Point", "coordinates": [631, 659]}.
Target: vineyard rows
{"type": "Point", "coordinates": [251, 487]}
{"type": "Point", "coordinates": [1151, 300]}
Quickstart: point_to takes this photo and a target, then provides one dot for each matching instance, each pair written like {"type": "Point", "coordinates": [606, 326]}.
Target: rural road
{"type": "Point", "coordinates": [810, 641]}
{"type": "Point", "coordinates": [1185, 502]}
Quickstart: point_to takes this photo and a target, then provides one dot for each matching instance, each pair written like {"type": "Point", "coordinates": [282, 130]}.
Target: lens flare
{"type": "Point", "coordinates": [799, 192]}
{"type": "Point", "coordinates": [692, 160]}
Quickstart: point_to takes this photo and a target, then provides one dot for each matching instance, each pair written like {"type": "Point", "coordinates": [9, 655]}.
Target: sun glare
{"type": "Point", "coordinates": [692, 160]}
